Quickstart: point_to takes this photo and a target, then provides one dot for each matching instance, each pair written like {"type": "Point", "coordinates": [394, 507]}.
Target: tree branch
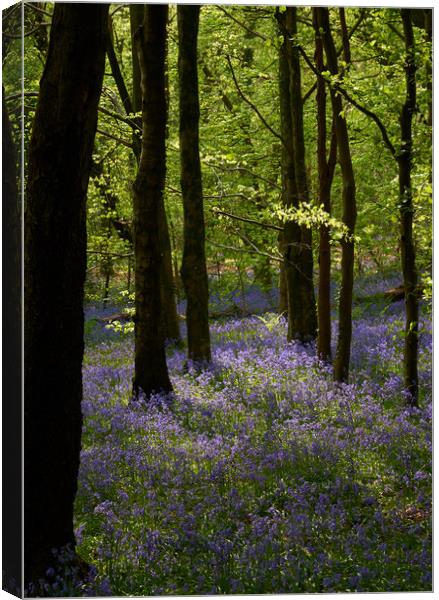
{"type": "Point", "coordinates": [101, 109]}
{"type": "Point", "coordinates": [120, 117]}
{"type": "Point", "coordinates": [355, 26]}
{"type": "Point", "coordinates": [245, 220]}
{"type": "Point", "coordinates": [250, 103]}
{"type": "Point", "coordinates": [11, 36]}
{"type": "Point", "coordinates": [244, 170]}
{"type": "Point", "coordinates": [113, 137]}
{"type": "Point", "coordinates": [348, 97]}
{"type": "Point", "coordinates": [114, 254]}
{"type": "Point", "coordinates": [246, 251]}
{"type": "Point", "coordinates": [37, 9]}
{"type": "Point", "coordinates": [117, 73]}
{"type": "Point", "coordinates": [243, 25]}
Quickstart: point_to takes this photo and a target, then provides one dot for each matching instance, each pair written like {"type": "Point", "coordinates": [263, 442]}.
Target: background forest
{"type": "Point", "coordinates": [256, 378]}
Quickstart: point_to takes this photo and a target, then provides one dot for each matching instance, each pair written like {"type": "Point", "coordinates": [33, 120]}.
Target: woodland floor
{"type": "Point", "coordinates": [260, 474]}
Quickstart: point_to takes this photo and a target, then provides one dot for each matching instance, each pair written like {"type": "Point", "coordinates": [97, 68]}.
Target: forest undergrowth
{"type": "Point", "coordinates": [259, 474]}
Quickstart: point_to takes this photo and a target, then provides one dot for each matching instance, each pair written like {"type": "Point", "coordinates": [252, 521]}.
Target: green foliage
{"type": "Point", "coordinates": [240, 156]}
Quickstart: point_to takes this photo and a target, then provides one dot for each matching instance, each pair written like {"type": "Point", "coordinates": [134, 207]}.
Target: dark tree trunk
{"type": "Point", "coordinates": [283, 291]}
{"type": "Point", "coordinates": [11, 323]}
{"type": "Point", "coordinates": [193, 270]}
{"type": "Point", "coordinates": [289, 239]}
{"type": "Point", "coordinates": [406, 215]}
{"type": "Point", "coordinates": [117, 73]}
{"type": "Point", "coordinates": [428, 24]}
{"type": "Point", "coordinates": [150, 371]}
{"type": "Point", "coordinates": [325, 175]}
{"type": "Point", "coordinates": [170, 328]}
{"type": "Point", "coordinates": [169, 321]}
{"type": "Point", "coordinates": [308, 328]}
{"type": "Point", "coordinates": [136, 20]}
{"type": "Point", "coordinates": [55, 263]}
{"type": "Point", "coordinates": [342, 359]}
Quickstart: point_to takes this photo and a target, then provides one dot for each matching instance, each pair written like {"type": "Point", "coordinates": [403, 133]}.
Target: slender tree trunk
{"type": "Point", "coordinates": [117, 73]}
{"type": "Point", "coordinates": [289, 239]}
{"type": "Point", "coordinates": [308, 327]}
{"type": "Point", "coordinates": [169, 321]}
{"type": "Point", "coordinates": [342, 359]}
{"type": "Point", "coordinates": [409, 272]}
{"type": "Point", "coordinates": [150, 369]}
{"type": "Point", "coordinates": [136, 20]}
{"type": "Point", "coordinates": [428, 25]}
{"type": "Point", "coordinates": [11, 360]}
{"type": "Point", "coordinates": [55, 264]}
{"type": "Point", "coordinates": [325, 176]}
{"type": "Point", "coordinates": [193, 270]}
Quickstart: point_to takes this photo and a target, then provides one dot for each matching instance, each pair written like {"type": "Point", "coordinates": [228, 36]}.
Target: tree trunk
{"type": "Point", "coordinates": [136, 20]}
{"type": "Point", "coordinates": [406, 215]}
{"type": "Point", "coordinates": [193, 270]}
{"type": "Point", "coordinates": [289, 239]}
{"type": "Point", "coordinates": [11, 323]}
{"type": "Point", "coordinates": [169, 321]}
{"type": "Point", "coordinates": [308, 326]}
{"type": "Point", "coordinates": [55, 264]}
{"type": "Point", "coordinates": [150, 370]}
{"type": "Point", "coordinates": [342, 359]}
{"type": "Point", "coordinates": [325, 176]}
{"type": "Point", "coordinates": [283, 291]}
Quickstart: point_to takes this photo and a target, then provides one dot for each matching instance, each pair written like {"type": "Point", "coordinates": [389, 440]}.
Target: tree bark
{"type": "Point", "coordinates": [55, 264]}
{"type": "Point", "coordinates": [169, 321]}
{"type": "Point", "coordinates": [342, 359]}
{"type": "Point", "coordinates": [193, 270]}
{"type": "Point", "coordinates": [289, 239]}
{"type": "Point", "coordinates": [404, 159]}
{"type": "Point", "coordinates": [308, 325]}
{"type": "Point", "coordinates": [150, 370]}
{"type": "Point", "coordinates": [12, 362]}
{"type": "Point", "coordinates": [325, 176]}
